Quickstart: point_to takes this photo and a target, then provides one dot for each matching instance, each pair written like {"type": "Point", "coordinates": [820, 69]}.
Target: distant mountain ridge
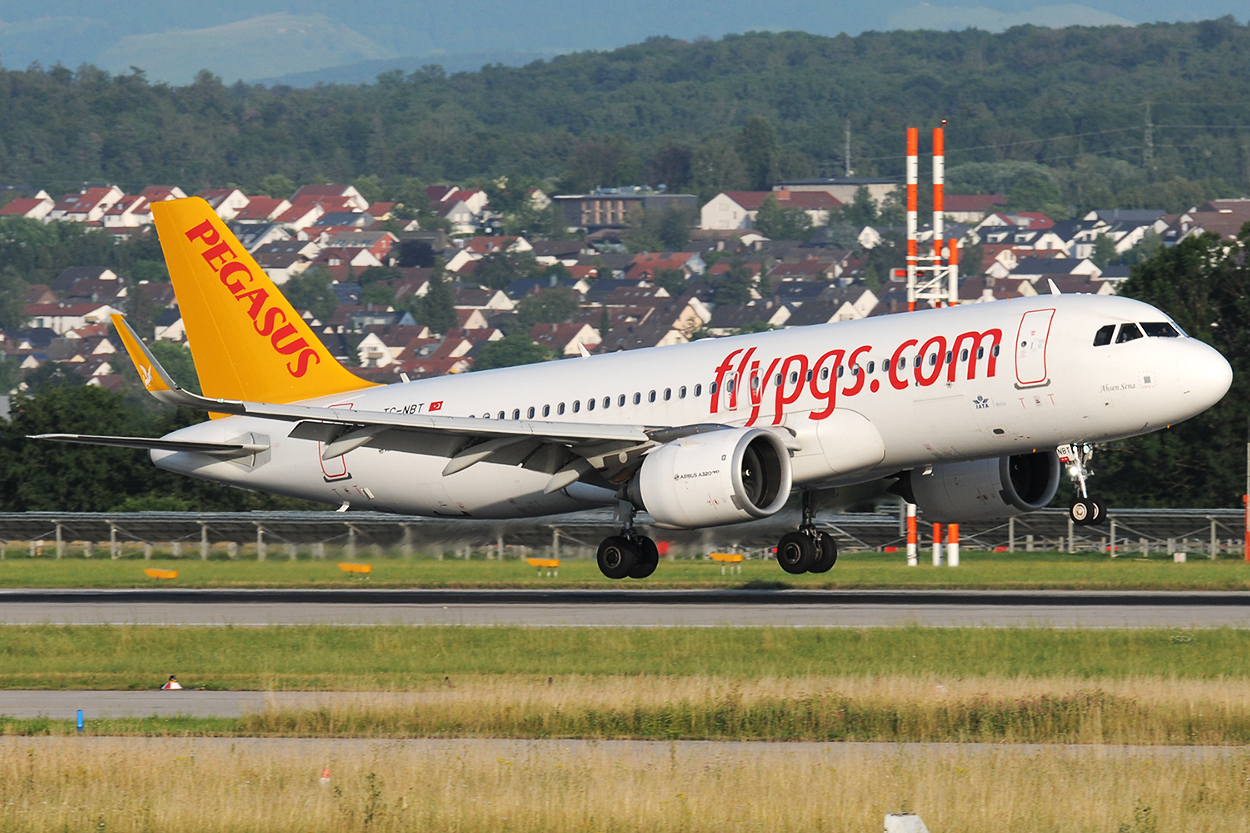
{"type": "Point", "coordinates": [366, 72]}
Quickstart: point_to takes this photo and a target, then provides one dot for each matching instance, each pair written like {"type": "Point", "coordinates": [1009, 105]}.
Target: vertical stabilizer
{"type": "Point", "coordinates": [247, 341]}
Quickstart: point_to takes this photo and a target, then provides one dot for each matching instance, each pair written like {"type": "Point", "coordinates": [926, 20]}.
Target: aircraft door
{"type": "Point", "coordinates": [336, 467]}
{"type": "Point", "coordinates": [1031, 347]}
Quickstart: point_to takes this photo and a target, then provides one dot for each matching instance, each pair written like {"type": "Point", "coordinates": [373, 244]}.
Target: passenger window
{"type": "Point", "coordinates": [902, 362]}
{"type": "Point", "coordinates": [809, 376]}
{"type": "Point", "coordinates": [1128, 332]}
{"type": "Point", "coordinates": [1160, 329]}
{"type": "Point", "coordinates": [980, 352]}
{"type": "Point", "coordinates": [620, 400]}
{"type": "Point", "coordinates": [872, 366]}
{"type": "Point", "coordinates": [607, 402]}
{"type": "Point", "coordinates": [776, 381]}
{"type": "Point", "coordinates": [577, 405]}
{"type": "Point", "coordinates": [1103, 337]}
{"type": "Point", "coordinates": [840, 371]}
{"type": "Point", "coordinates": [501, 414]}
{"type": "Point", "coordinates": [530, 413]}
{"type": "Point", "coordinates": [994, 352]}
{"type": "Point", "coordinates": [932, 359]}
{"type": "Point", "coordinates": [824, 373]}
{"type": "Point", "coordinates": [698, 390]}
{"type": "Point", "coordinates": [516, 413]}
{"type": "Point", "coordinates": [546, 410]}
{"type": "Point", "coordinates": [963, 355]}
{"type": "Point", "coordinates": [590, 404]}
{"type": "Point", "coordinates": [949, 357]}
{"type": "Point", "coordinates": [668, 394]}
{"type": "Point", "coordinates": [681, 392]}
{"type": "Point", "coordinates": [711, 390]}
{"type": "Point", "coordinates": [560, 409]}
{"type": "Point", "coordinates": [794, 376]}
{"type": "Point", "coordinates": [651, 396]}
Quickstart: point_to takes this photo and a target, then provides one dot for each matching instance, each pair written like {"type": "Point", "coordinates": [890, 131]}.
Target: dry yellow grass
{"type": "Point", "coordinates": [550, 786]}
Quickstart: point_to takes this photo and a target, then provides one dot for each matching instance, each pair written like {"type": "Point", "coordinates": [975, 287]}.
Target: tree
{"type": "Point", "coordinates": [716, 167]}
{"type": "Point", "coordinates": [758, 148]}
{"type": "Point", "coordinates": [437, 308]}
{"type": "Point", "coordinates": [1104, 251]}
{"type": "Point", "coordinates": [733, 286]}
{"type": "Point", "coordinates": [498, 269]}
{"type": "Point", "coordinates": [278, 186]}
{"type": "Point", "coordinates": [312, 290]}
{"type": "Point", "coordinates": [1204, 284]}
{"type": "Point", "coordinates": [863, 209]}
{"type": "Point", "coordinates": [12, 299]}
{"type": "Point", "coordinates": [670, 167]}
{"type": "Point", "coordinates": [606, 162]}
{"type": "Point", "coordinates": [551, 306]}
{"type": "Point", "coordinates": [672, 280]}
{"type": "Point", "coordinates": [176, 358]}
{"type": "Point", "coordinates": [510, 351]}
{"type": "Point", "coordinates": [780, 223]}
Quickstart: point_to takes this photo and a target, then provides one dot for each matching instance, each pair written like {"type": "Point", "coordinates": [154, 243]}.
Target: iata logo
{"type": "Point", "coordinates": [270, 321]}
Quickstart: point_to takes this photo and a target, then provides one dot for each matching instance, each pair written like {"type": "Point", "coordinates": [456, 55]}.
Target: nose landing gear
{"type": "Point", "coordinates": [1084, 510]}
{"type": "Point", "coordinates": [808, 550]}
{"type": "Point", "coordinates": [628, 555]}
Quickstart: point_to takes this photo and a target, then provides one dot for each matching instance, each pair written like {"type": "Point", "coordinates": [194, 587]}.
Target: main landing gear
{"type": "Point", "coordinates": [1084, 510]}
{"type": "Point", "coordinates": [628, 555]}
{"type": "Point", "coordinates": [808, 550]}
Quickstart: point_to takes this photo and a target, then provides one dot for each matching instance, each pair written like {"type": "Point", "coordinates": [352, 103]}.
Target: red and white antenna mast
{"type": "Point", "coordinates": [933, 278]}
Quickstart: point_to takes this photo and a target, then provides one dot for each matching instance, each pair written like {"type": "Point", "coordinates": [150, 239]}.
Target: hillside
{"type": "Point", "coordinates": [1072, 100]}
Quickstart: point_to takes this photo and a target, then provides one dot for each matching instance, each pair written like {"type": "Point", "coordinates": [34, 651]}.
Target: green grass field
{"type": "Point", "coordinates": [978, 570]}
{"type": "Point", "coordinates": [413, 658]}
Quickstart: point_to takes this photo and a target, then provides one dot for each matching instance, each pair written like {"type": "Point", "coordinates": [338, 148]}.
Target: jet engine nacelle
{"type": "Point", "coordinates": [981, 490]}
{"type": "Point", "coordinates": [721, 477]}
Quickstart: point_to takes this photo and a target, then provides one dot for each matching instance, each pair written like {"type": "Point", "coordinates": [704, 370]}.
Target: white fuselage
{"type": "Point", "coordinates": [856, 405]}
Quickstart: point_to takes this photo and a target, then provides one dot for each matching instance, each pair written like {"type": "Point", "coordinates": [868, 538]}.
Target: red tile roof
{"type": "Point", "coordinates": [806, 200]}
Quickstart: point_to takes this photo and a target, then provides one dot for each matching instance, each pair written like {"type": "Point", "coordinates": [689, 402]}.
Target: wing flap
{"type": "Point", "coordinates": [149, 443]}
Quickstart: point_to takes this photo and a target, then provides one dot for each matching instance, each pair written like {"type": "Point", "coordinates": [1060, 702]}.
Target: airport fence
{"type": "Point", "coordinates": [1178, 532]}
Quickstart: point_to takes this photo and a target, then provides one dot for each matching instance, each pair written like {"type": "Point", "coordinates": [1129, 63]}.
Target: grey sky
{"type": "Point", "coordinates": [250, 40]}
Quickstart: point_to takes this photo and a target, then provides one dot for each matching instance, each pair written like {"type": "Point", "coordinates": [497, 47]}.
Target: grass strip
{"type": "Point", "coordinates": [136, 786]}
{"type": "Point", "coordinates": [413, 658]}
{"type": "Point", "coordinates": [977, 570]}
{"type": "Point", "coordinates": [893, 709]}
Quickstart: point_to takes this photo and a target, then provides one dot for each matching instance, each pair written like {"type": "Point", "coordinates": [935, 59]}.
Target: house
{"type": "Point", "coordinates": [261, 210]}
{"type": "Point", "coordinates": [301, 214]}
{"type": "Point", "coordinates": [65, 281]}
{"type": "Point", "coordinates": [330, 192]}
{"type": "Point", "coordinates": [63, 317]}
{"type": "Point", "coordinates": [482, 245]}
{"type": "Point", "coordinates": [607, 209]}
{"type": "Point", "coordinates": [355, 258]}
{"type": "Point", "coordinates": [729, 318]}
{"type": "Point", "coordinates": [38, 293]}
{"type": "Point", "coordinates": [87, 206]}
{"type": "Point", "coordinates": [227, 202]}
{"type": "Point", "coordinates": [839, 303]}
{"type": "Point", "coordinates": [842, 189]}
{"type": "Point", "coordinates": [479, 297]}
{"type": "Point", "coordinates": [646, 265]}
{"type": "Point", "coordinates": [378, 243]}
{"type": "Point", "coordinates": [282, 261]}
{"type": "Point", "coordinates": [461, 208]}
{"type": "Point", "coordinates": [737, 209]}
{"type": "Point", "coordinates": [1034, 268]}
{"type": "Point", "coordinates": [155, 193]}
{"type": "Point", "coordinates": [971, 208]}
{"type": "Point", "coordinates": [255, 235]}
{"type": "Point", "coordinates": [129, 212]}
{"type": "Point", "coordinates": [566, 339]}
{"type": "Point", "coordinates": [33, 208]}
{"type": "Point", "coordinates": [380, 211]}
{"type": "Point", "coordinates": [1222, 217]}
{"type": "Point", "coordinates": [170, 327]}
{"type": "Point", "coordinates": [806, 270]}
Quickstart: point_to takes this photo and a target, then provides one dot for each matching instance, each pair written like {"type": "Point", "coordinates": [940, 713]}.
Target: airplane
{"type": "Point", "coordinates": [974, 409]}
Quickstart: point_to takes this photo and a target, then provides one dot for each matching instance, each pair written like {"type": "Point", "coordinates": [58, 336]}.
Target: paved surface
{"type": "Point", "coordinates": [636, 608]}
{"type": "Point", "coordinates": [96, 704]}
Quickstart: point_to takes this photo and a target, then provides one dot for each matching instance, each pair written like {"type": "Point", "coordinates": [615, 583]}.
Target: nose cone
{"type": "Point", "coordinates": [1205, 376]}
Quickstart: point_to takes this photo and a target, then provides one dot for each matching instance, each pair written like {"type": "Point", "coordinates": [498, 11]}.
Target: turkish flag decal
{"type": "Point", "coordinates": [436, 406]}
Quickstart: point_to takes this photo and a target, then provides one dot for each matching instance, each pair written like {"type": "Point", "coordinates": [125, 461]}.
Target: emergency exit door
{"type": "Point", "coordinates": [1031, 347]}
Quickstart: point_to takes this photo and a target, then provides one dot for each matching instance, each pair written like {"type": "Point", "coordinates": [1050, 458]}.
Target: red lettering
{"type": "Point", "coordinates": [921, 378]}
{"type": "Point", "coordinates": [830, 396]}
{"type": "Point", "coordinates": [205, 232]}
{"type": "Point", "coordinates": [860, 376]}
{"type": "Point", "coordinates": [975, 340]}
{"type": "Point", "coordinates": [723, 369]}
{"type": "Point", "coordinates": [757, 388]}
{"type": "Point", "coordinates": [235, 287]}
{"type": "Point", "coordinates": [302, 363]}
{"type": "Point", "coordinates": [898, 383]}
{"type": "Point", "coordinates": [258, 297]}
{"type": "Point", "coordinates": [270, 315]}
{"type": "Point", "coordinates": [220, 252]}
{"type": "Point", "coordinates": [784, 399]}
{"type": "Point", "coordinates": [290, 347]}
{"type": "Point", "coordinates": [736, 385]}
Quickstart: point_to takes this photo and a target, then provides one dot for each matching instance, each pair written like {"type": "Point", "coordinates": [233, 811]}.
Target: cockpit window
{"type": "Point", "coordinates": [1103, 337]}
{"type": "Point", "coordinates": [1160, 329]}
{"type": "Point", "coordinates": [1128, 332]}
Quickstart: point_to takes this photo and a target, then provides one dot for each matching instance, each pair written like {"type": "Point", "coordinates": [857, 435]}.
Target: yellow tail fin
{"type": "Point", "coordinates": [247, 341]}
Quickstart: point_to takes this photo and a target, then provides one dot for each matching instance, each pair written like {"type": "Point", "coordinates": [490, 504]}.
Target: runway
{"type": "Point", "coordinates": [630, 608]}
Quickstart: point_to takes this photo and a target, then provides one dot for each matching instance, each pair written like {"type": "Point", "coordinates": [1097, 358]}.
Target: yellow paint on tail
{"type": "Point", "coordinates": [247, 341]}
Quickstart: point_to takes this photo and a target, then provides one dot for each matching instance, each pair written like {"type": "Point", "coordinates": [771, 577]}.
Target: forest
{"type": "Point", "coordinates": [1153, 115]}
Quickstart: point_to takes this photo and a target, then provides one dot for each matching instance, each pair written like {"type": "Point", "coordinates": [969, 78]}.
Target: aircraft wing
{"type": "Point", "coordinates": [234, 449]}
{"type": "Point", "coordinates": [465, 440]}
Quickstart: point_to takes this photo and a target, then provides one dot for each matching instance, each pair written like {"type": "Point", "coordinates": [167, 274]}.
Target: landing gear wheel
{"type": "Point", "coordinates": [826, 553]}
{"type": "Point", "coordinates": [648, 558]}
{"type": "Point", "coordinates": [1100, 512]}
{"type": "Point", "coordinates": [1083, 511]}
{"type": "Point", "coordinates": [617, 556]}
{"type": "Point", "coordinates": [796, 552]}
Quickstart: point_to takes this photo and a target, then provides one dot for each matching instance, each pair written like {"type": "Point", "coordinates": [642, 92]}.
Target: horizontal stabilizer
{"type": "Point", "coordinates": [215, 449]}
